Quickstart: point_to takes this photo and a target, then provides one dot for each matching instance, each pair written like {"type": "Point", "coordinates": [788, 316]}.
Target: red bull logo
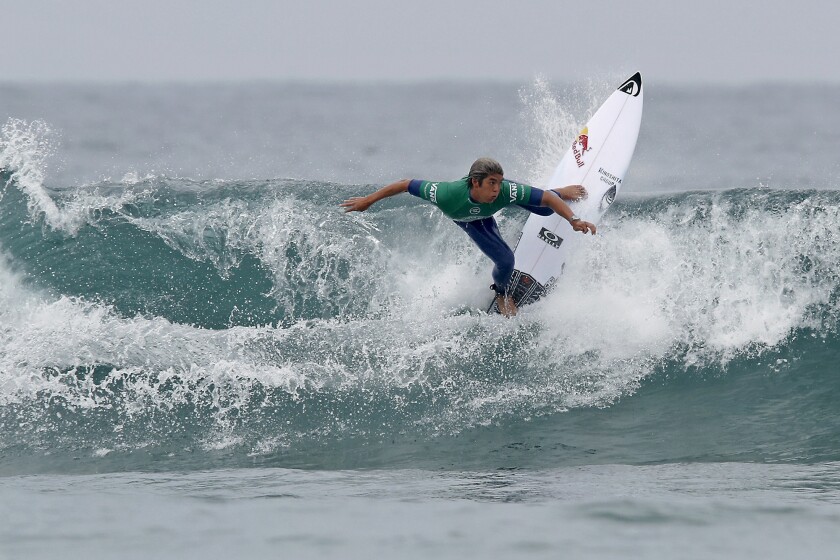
{"type": "Point", "coordinates": [583, 139]}
{"type": "Point", "coordinates": [581, 146]}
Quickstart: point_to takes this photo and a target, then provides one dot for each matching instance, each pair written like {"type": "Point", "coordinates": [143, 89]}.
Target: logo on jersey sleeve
{"type": "Point", "coordinates": [514, 191]}
{"type": "Point", "coordinates": [433, 192]}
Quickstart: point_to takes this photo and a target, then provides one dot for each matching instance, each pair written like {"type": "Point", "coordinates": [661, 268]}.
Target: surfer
{"type": "Point", "coordinates": [471, 203]}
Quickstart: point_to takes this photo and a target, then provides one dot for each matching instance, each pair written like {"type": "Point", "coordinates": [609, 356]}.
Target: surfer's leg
{"type": "Point", "coordinates": [506, 305]}
{"type": "Point", "coordinates": [485, 234]}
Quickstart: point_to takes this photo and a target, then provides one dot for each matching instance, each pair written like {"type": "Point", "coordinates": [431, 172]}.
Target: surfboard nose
{"type": "Point", "coordinates": [633, 85]}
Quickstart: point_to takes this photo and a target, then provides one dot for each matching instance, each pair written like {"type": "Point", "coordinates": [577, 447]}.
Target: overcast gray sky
{"type": "Point", "coordinates": [669, 41]}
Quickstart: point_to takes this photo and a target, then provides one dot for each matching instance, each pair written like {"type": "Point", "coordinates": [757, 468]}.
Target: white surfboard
{"type": "Point", "coordinates": [598, 159]}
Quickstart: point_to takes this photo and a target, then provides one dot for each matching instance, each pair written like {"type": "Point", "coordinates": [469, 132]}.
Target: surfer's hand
{"type": "Point", "coordinates": [583, 227]}
{"type": "Point", "coordinates": [356, 204]}
{"type": "Point", "coordinates": [571, 192]}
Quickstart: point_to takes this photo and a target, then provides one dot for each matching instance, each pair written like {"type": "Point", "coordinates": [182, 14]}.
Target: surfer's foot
{"type": "Point", "coordinates": [572, 192]}
{"type": "Point", "coordinates": [506, 305]}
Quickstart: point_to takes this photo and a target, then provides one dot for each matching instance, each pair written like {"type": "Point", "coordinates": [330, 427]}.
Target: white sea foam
{"type": "Point", "coordinates": [649, 288]}
{"type": "Point", "coordinates": [717, 287]}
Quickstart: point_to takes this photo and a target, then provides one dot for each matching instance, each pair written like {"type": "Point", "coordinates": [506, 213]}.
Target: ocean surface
{"type": "Point", "coordinates": [201, 356]}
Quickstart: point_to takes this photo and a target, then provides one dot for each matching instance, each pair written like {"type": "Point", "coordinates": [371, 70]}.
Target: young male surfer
{"type": "Point", "coordinates": [471, 203]}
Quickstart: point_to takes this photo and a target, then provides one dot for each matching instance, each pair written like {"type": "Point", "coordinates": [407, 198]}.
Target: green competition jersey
{"type": "Point", "coordinates": [454, 198]}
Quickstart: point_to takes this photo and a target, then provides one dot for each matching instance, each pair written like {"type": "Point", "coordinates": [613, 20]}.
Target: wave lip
{"type": "Point", "coordinates": [24, 150]}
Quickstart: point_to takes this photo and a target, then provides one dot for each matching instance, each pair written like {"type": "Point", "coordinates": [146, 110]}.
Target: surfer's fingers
{"type": "Point", "coordinates": [585, 227]}
{"type": "Point", "coordinates": [359, 204]}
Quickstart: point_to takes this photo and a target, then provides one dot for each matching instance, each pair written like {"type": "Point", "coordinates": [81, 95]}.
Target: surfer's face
{"type": "Point", "coordinates": [488, 189]}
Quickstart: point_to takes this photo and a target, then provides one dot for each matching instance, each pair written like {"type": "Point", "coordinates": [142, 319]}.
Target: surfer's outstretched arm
{"type": "Point", "coordinates": [362, 203]}
{"type": "Point", "coordinates": [553, 201]}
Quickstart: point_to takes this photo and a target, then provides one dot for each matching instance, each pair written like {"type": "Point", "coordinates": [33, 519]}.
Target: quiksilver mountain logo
{"type": "Point", "coordinates": [633, 86]}
{"type": "Point", "coordinates": [550, 237]}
